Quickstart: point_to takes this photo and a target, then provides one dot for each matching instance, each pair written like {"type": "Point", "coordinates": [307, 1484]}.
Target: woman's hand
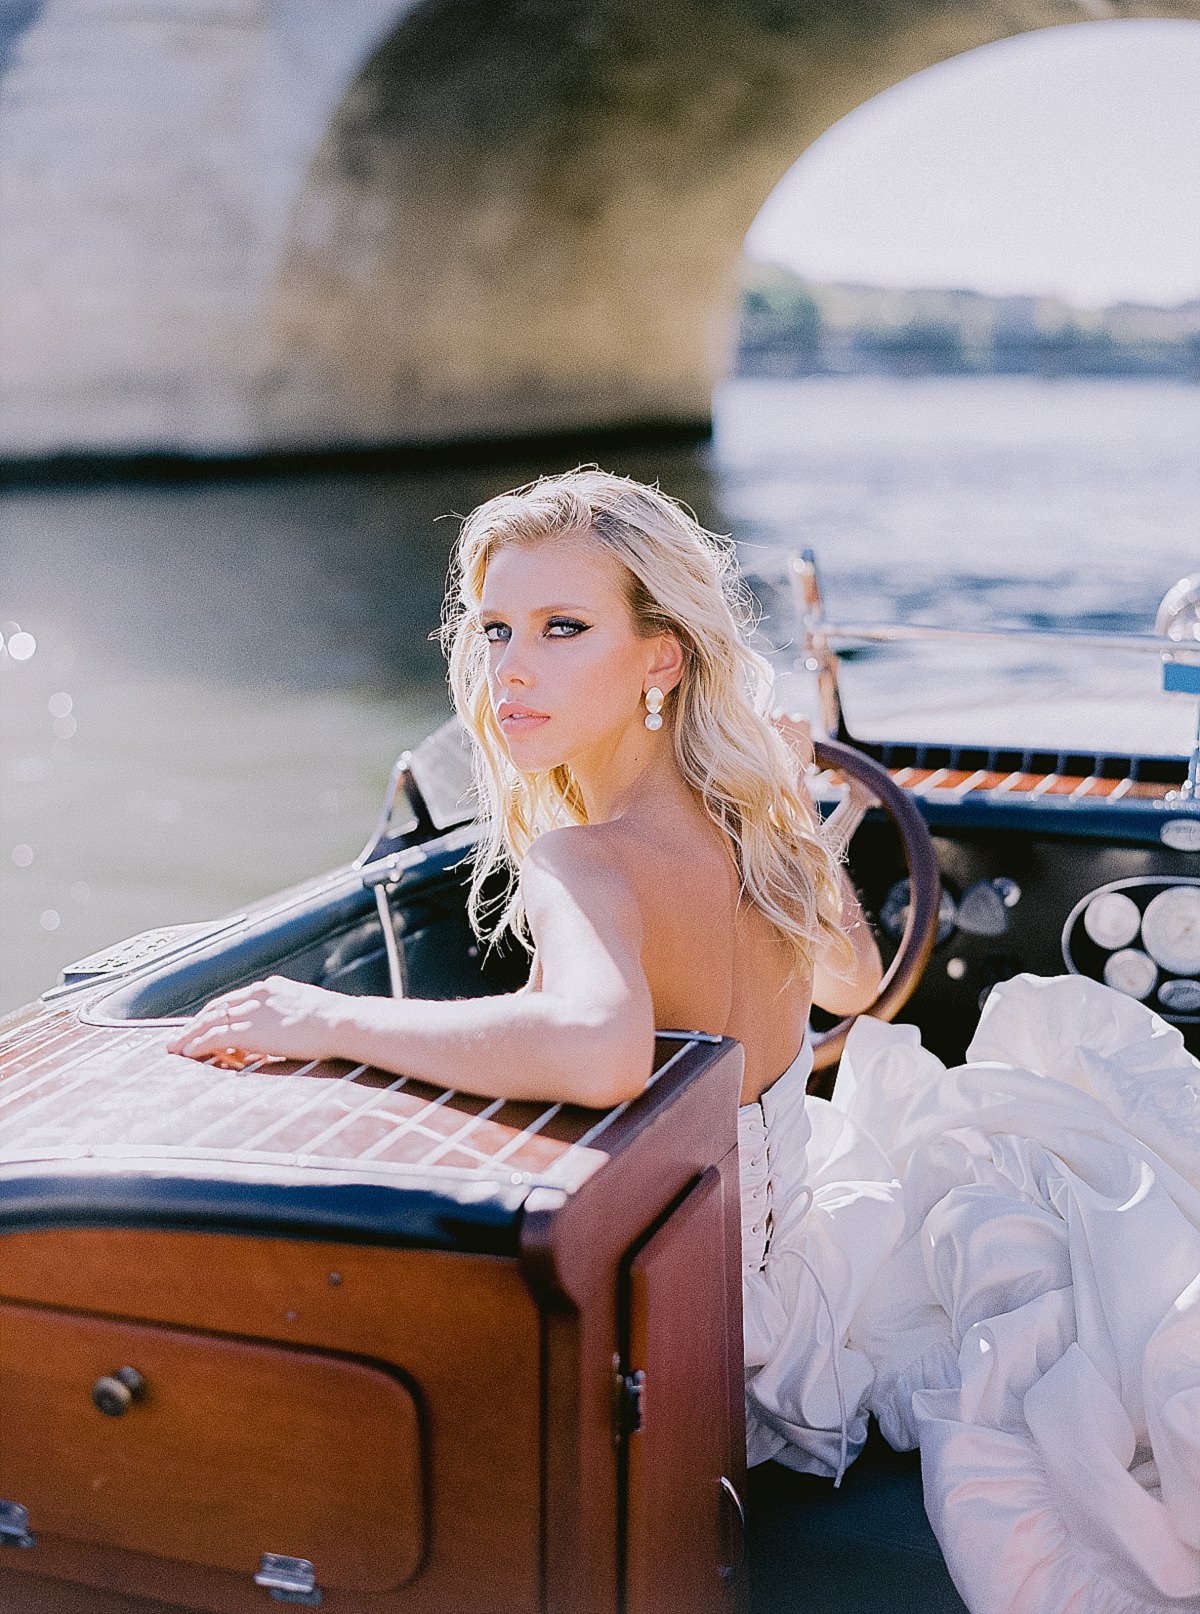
{"type": "Point", "coordinates": [797, 731]}
{"type": "Point", "coordinates": [276, 1016]}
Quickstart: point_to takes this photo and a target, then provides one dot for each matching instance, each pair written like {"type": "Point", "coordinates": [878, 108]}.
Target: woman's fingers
{"type": "Point", "coordinates": [201, 1041]}
{"type": "Point", "coordinates": [277, 1017]}
{"type": "Point", "coordinates": [221, 1024]}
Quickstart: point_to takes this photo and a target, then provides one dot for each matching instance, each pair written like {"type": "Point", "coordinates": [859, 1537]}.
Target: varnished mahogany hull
{"type": "Point", "coordinates": [434, 1421]}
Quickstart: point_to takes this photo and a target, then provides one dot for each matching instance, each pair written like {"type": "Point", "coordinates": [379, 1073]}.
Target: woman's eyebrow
{"type": "Point", "coordinates": [542, 610]}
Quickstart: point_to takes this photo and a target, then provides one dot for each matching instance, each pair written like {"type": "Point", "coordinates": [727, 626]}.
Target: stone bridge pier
{"type": "Point", "coordinates": [241, 226]}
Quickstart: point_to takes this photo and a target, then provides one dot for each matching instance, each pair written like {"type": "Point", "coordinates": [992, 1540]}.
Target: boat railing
{"type": "Point", "coordinates": [1176, 643]}
{"type": "Point", "coordinates": [900, 632]}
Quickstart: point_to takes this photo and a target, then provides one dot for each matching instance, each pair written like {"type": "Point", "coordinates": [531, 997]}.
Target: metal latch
{"type": "Point", "coordinates": [629, 1403]}
{"type": "Point", "coordinates": [289, 1580]}
{"type": "Point", "coordinates": [14, 1526]}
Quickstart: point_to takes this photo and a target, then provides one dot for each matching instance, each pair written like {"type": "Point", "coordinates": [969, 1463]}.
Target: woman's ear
{"type": "Point", "coordinates": [666, 669]}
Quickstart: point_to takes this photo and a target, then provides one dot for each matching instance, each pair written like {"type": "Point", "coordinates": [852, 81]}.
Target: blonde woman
{"type": "Point", "coordinates": [667, 866]}
{"type": "Point", "coordinates": [667, 869]}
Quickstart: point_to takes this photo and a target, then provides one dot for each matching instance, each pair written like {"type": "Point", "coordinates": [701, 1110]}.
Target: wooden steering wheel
{"type": "Point", "coordinates": [920, 927]}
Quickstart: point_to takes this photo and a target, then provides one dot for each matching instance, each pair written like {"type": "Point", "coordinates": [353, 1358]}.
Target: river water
{"type": "Point", "coordinates": [223, 673]}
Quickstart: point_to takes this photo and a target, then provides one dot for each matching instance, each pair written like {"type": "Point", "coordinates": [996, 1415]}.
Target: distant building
{"type": "Point", "coordinates": [791, 327]}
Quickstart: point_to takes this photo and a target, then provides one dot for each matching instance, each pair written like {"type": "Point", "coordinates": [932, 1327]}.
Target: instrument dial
{"type": "Point", "coordinates": [1131, 971]}
{"type": "Point", "coordinates": [1112, 920]}
{"type": "Point", "coordinates": [893, 916]}
{"type": "Point", "coordinates": [1180, 997]}
{"type": "Point", "coordinates": [1171, 929]}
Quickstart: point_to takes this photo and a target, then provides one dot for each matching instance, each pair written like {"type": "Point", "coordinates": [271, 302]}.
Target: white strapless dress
{"type": "Point", "coordinates": [818, 1197]}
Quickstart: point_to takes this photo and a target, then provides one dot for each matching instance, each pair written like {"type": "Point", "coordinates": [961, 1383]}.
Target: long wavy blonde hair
{"type": "Point", "coordinates": [682, 579]}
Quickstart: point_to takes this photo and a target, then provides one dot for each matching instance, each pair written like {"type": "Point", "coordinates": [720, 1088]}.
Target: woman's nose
{"type": "Point", "coordinates": [512, 667]}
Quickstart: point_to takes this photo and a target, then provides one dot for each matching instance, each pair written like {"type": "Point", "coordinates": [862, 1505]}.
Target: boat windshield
{"type": "Point", "coordinates": [1036, 691]}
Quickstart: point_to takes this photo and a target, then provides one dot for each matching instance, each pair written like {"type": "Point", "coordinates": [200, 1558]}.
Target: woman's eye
{"type": "Point", "coordinates": [495, 632]}
{"type": "Point", "coordinates": [565, 627]}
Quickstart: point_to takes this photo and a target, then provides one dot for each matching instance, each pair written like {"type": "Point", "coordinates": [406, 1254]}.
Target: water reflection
{"type": "Point", "coordinates": [202, 688]}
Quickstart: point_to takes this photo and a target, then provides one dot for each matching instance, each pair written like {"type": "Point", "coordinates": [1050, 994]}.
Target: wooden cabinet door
{"type": "Point", "coordinates": [683, 1530]}
{"type": "Point", "coordinates": [233, 1448]}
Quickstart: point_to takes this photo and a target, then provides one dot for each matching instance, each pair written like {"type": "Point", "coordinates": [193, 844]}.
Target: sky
{"type": "Point", "coordinates": [1065, 161]}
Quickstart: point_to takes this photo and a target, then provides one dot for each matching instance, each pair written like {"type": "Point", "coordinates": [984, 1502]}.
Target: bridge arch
{"type": "Point", "coordinates": [539, 229]}
{"type": "Point", "coordinates": [297, 222]}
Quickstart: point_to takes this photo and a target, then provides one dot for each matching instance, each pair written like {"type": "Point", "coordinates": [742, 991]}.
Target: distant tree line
{"type": "Point", "coordinates": [790, 327]}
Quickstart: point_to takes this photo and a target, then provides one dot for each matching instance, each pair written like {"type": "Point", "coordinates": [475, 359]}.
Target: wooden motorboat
{"type": "Point", "coordinates": [314, 1334]}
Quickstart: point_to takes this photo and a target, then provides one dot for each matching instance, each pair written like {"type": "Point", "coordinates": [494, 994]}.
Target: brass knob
{"type": "Point", "coordinates": [115, 1392]}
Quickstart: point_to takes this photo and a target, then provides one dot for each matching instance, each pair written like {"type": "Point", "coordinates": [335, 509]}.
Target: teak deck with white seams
{"type": "Point", "coordinates": [958, 783]}
{"type": "Point", "coordinates": [73, 1092]}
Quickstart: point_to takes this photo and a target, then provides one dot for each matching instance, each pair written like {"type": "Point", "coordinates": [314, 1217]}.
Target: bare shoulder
{"type": "Point", "coordinates": [583, 861]}
{"type": "Point", "coordinates": [582, 849]}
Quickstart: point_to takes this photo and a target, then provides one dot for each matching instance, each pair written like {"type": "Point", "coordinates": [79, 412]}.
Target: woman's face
{"type": "Point", "coordinates": [567, 669]}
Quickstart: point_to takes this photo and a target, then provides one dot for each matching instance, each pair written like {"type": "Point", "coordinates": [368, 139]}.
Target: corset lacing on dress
{"type": "Point", "coordinates": [774, 1120]}
{"type": "Point", "coordinates": [770, 1124]}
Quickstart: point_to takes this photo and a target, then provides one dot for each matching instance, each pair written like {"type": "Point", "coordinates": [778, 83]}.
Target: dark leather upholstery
{"type": "Point", "coordinates": [865, 1548]}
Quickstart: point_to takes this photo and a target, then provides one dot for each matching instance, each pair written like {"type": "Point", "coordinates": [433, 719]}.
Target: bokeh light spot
{"type": "Point", "coordinates": [65, 727]}
{"type": "Point", "coordinates": [59, 705]}
{"type": "Point", "coordinates": [22, 855]}
{"type": "Point", "coordinates": [50, 919]}
{"type": "Point", "coordinates": [22, 646]}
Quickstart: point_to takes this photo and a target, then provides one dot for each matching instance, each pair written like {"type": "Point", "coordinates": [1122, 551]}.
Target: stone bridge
{"type": "Point", "coordinates": [237, 226]}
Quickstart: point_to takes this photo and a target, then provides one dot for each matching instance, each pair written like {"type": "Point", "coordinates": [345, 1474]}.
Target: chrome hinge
{"type": "Point", "coordinates": [14, 1526]}
{"type": "Point", "coordinates": [629, 1404]}
{"type": "Point", "coordinates": [289, 1580]}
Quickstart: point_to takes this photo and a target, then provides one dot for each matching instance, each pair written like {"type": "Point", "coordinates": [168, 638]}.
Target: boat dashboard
{"type": "Point", "coordinates": [1048, 862]}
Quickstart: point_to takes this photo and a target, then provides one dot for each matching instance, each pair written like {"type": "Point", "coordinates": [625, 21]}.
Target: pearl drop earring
{"type": "Point", "coordinates": [654, 701]}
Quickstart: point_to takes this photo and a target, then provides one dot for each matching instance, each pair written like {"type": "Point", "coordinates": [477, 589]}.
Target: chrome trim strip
{"type": "Point", "coordinates": [453, 1140]}
{"type": "Point", "coordinates": [410, 1123]}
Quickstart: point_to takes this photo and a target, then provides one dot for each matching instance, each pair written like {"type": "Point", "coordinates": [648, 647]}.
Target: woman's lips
{"type": "Point", "coordinates": [514, 720]}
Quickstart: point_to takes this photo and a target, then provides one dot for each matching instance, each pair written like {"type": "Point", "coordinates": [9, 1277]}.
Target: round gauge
{"type": "Point", "coordinates": [1180, 997]}
{"type": "Point", "coordinates": [1132, 972]}
{"type": "Point", "coordinates": [1111, 919]}
{"type": "Point", "coordinates": [1171, 929]}
{"type": "Point", "coordinates": [893, 916]}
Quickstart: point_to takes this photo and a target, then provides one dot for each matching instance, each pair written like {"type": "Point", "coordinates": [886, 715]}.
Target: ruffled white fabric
{"type": "Point", "coordinates": [1012, 1251]}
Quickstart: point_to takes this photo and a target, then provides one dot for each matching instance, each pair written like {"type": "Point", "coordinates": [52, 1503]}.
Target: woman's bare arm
{"type": "Point", "coordinates": [848, 988]}
{"type": "Point", "coordinates": [585, 1037]}
{"type": "Point", "coordinates": [841, 986]}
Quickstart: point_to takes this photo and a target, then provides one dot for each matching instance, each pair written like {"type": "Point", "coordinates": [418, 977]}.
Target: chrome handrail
{"type": "Point", "coordinates": [810, 611]}
{"type": "Point", "coordinates": [894, 632]}
{"type": "Point", "coordinates": [1179, 649]}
